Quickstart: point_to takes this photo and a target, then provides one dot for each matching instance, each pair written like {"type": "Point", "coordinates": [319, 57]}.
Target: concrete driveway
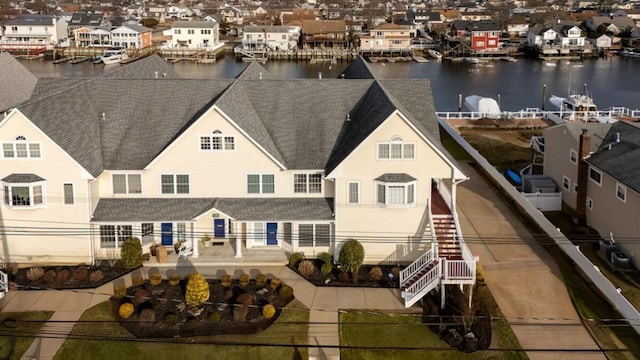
{"type": "Point", "coordinates": [523, 278]}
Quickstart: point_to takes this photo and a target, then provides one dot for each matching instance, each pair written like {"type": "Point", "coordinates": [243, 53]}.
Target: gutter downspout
{"type": "Point", "coordinates": [92, 255]}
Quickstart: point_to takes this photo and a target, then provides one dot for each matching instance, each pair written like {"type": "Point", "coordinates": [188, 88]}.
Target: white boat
{"type": "Point", "coordinates": [473, 60]}
{"type": "Point", "coordinates": [631, 52]}
{"type": "Point", "coordinates": [434, 54]}
{"type": "Point", "coordinates": [114, 55]}
{"type": "Point", "coordinates": [575, 102]}
{"type": "Point", "coordinates": [551, 63]}
{"type": "Point", "coordinates": [488, 107]}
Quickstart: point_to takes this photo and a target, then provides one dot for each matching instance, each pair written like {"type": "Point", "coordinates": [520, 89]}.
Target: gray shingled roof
{"type": "Point", "coordinates": [22, 178]}
{"type": "Point", "coordinates": [150, 209]}
{"type": "Point", "coordinates": [187, 209]}
{"type": "Point", "coordinates": [396, 178]}
{"type": "Point", "coordinates": [597, 131]}
{"type": "Point", "coordinates": [358, 69]}
{"type": "Point", "coordinates": [620, 159]}
{"type": "Point", "coordinates": [276, 209]}
{"type": "Point", "coordinates": [254, 71]}
{"type": "Point", "coordinates": [28, 19]}
{"type": "Point", "coordinates": [194, 24]}
{"type": "Point", "coordinates": [148, 68]}
{"type": "Point", "coordinates": [22, 82]}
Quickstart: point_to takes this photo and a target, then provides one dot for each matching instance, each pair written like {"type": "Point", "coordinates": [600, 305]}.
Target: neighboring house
{"type": "Point", "coordinates": [602, 42]}
{"type": "Point", "coordinates": [387, 37]}
{"type": "Point", "coordinates": [517, 27]}
{"type": "Point", "coordinates": [561, 36]}
{"type": "Point", "coordinates": [82, 19]}
{"type": "Point", "coordinates": [324, 34]}
{"type": "Point", "coordinates": [195, 34]}
{"type": "Point", "coordinates": [232, 15]}
{"type": "Point", "coordinates": [271, 37]}
{"type": "Point", "coordinates": [601, 159]}
{"type": "Point", "coordinates": [482, 35]}
{"type": "Point", "coordinates": [170, 160]}
{"type": "Point", "coordinates": [614, 24]}
{"type": "Point", "coordinates": [34, 30]}
{"type": "Point", "coordinates": [85, 36]}
{"type": "Point", "coordinates": [178, 13]}
{"type": "Point", "coordinates": [131, 36]}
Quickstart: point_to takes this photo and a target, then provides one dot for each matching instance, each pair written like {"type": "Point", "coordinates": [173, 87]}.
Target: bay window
{"type": "Point", "coordinates": [23, 190]}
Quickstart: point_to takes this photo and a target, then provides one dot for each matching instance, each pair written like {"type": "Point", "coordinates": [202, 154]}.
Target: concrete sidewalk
{"type": "Point", "coordinates": [523, 278]}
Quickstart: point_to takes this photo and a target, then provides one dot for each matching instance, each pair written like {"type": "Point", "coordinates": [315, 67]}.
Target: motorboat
{"type": "Point", "coordinates": [488, 107]}
{"type": "Point", "coordinates": [434, 54]}
{"type": "Point", "coordinates": [114, 55]}
{"type": "Point", "coordinates": [631, 52]}
{"type": "Point", "coordinates": [575, 102]}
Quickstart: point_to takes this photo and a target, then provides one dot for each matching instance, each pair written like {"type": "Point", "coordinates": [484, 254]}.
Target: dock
{"type": "Point", "coordinates": [60, 61]}
{"type": "Point", "coordinates": [420, 59]}
{"type": "Point", "coordinates": [78, 60]}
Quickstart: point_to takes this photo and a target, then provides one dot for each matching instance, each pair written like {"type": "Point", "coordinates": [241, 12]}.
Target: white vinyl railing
{"type": "Point", "coordinates": [430, 277]}
{"type": "Point", "coordinates": [459, 270]}
{"type": "Point", "coordinates": [532, 113]}
{"type": "Point", "coordinates": [418, 264]}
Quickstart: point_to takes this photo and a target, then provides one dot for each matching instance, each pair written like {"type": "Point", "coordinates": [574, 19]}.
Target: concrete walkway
{"type": "Point", "coordinates": [323, 303]}
{"type": "Point", "coordinates": [522, 276]}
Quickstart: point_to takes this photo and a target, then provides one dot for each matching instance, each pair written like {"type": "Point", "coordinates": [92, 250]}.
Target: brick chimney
{"type": "Point", "coordinates": [583, 175]}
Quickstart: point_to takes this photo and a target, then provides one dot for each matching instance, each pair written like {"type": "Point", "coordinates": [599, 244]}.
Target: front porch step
{"type": "Point", "coordinates": [412, 280]}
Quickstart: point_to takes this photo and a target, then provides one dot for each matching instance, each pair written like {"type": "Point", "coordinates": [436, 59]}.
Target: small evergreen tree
{"type": "Point", "coordinates": [131, 254]}
{"type": "Point", "coordinates": [197, 290]}
{"type": "Point", "coordinates": [351, 256]}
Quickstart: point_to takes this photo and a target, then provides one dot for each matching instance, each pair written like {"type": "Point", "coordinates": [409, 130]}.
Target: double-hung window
{"type": "Point", "coordinates": [311, 235]}
{"type": "Point", "coordinates": [396, 149]}
{"type": "Point", "coordinates": [353, 192]}
{"type": "Point", "coordinates": [175, 184]}
{"type": "Point", "coordinates": [113, 236]}
{"type": "Point", "coordinates": [595, 176]}
{"type": "Point", "coordinates": [621, 192]}
{"type": "Point", "coordinates": [127, 183]}
{"type": "Point", "coordinates": [307, 183]}
{"type": "Point", "coordinates": [261, 184]}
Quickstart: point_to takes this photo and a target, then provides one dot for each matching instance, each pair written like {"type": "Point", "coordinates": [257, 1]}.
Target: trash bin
{"type": "Point", "coordinates": [161, 254]}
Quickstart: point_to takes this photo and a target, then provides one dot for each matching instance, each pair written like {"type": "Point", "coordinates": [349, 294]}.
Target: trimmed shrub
{"type": "Point", "coordinates": [125, 310]}
{"type": "Point", "coordinates": [156, 279]}
{"type": "Point", "coordinates": [147, 317]}
{"type": "Point", "coordinates": [96, 276]}
{"type": "Point", "coordinates": [35, 273]}
{"type": "Point", "coordinates": [197, 290]}
{"type": "Point", "coordinates": [326, 268]}
{"type": "Point", "coordinates": [396, 272]}
{"type": "Point", "coordinates": [286, 292]}
{"type": "Point", "coordinates": [352, 256]}
{"type": "Point", "coordinates": [325, 257]}
{"type": "Point", "coordinates": [376, 273]}
{"type": "Point", "coordinates": [63, 275]}
{"type": "Point", "coordinates": [131, 254]}
{"type": "Point", "coordinates": [261, 279]}
{"type": "Point", "coordinates": [174, 280]}
{"type": "Point", "coordinates": [140, 296]}
{"type": "Point", "coordinates": [274, 283]}
{"type": "Point", "coordinates": [80, 273]}
{"type": "Point", "coordinates": [244, 280]}
{"type": "Point", "coordinates": [307, 267]}
{"type": "Point", "coordinates": [50, 276]}
{"type": "Point", "coordinates": [268, 311]}
{"type": "Point", "coordinates": [295, 258]}
{"type": "Point", "coordinates": [343, 276]}
{"type": "Point", "coordinates": [225, 281]}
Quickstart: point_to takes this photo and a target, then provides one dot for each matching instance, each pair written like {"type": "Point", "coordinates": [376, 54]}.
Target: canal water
{"type": "Point", "coordinates": [612, 81]}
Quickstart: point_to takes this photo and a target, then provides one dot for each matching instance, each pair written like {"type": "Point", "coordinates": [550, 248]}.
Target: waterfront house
{"type": "Point", "coordinates": [614, 24]}
{"type": "Point", "coordinates": [268, 37]}
{"type": "Point", "coordinates": [387, 37]}
{"type": "Point", "coordinates": [319, 34]}
{"type": "Point", "coordinates": [479, 35]}
{"type": "Point", "coordinates": [131, 36]}
{"type": "Point", "coordinates": [195, 34]}
{"type": "Point", "coordinates": [84, 19]}
{"type": "Point", "coordinates": [33, 32]}
{"type": "Point", "coordinates": [602, 42]}
{"type": "Point", "coordinates": [517, 27]}
{"type": "Point", "coordinates": [596, 165]}
{"type": "Point", "coordinates": [92, 36]}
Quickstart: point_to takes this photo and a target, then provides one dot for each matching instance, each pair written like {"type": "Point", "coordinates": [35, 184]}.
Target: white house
{"type": "Point", "coordinates": [602, 42]}
{"type": "Point", "coordinates": [131, 36]}
{"type": "Point", "coordinates": [34, 30]}
{"type": "Point", "coordinates": [232, 15]}
{"type": "Point", "coordinates": [271, 37]}
{"type": "Point", "coordinates": [195, 34]}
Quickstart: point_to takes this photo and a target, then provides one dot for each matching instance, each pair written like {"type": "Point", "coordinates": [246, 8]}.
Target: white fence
{"type": "Point", "coordinates": [609, 114]}
{"type": "Point", "coordinates": [545, 201]}
{"type": "Point", "coordinates": [615, 297]}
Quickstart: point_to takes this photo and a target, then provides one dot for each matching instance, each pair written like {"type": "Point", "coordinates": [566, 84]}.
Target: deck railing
{"type": "Point", "coordinates": [419, 264]}
{"type": "Point", "coordinates": [459, 270]}
{"type": "Point", "coordinates": [534, 113]}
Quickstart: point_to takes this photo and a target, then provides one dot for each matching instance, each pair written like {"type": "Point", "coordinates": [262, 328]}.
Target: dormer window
{"type": "Point", "coordinates": [396, 149]}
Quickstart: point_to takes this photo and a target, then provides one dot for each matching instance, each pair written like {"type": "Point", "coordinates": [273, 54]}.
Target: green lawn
{"type": "Point", "coordinates": [290, 328]}
{"type": "Point", "coordinates": [592, 305]}
{"type": "Point", "coordinates": [411, 339]}
{"type": "Point", "coordinates": [15, 337]}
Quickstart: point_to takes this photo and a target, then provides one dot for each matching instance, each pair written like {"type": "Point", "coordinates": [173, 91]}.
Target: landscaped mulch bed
{"type": "Point", "coordinates": [70, 277]}
{"type": "Point", "coordinates": [160, 310]}
{"type": "Point", "coordinates": [364, 278]}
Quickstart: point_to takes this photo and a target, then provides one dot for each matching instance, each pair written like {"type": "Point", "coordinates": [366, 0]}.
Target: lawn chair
{"type": "Point", "coordinates": [184, 251]}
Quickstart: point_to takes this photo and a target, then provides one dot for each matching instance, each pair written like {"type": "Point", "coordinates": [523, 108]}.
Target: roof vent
{"type": "Point", "coordinates": [260, 75]}
{"type": "Point", "coordinates": [348, 118]}
{"type": "Point", "coordinates": [104, 116]}
{"type": "Point", "coordinates": [320, 76]}
{"type": "Point", "coordinates": [155, 74]}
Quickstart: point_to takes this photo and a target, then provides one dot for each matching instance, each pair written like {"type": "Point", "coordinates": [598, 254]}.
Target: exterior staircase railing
{"type": "Point", "coordinates": [419, 264]}
{"type": "Point", "coordinates": [423, 286]}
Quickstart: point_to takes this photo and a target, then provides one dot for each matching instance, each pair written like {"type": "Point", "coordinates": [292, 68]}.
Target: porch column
{"type": "Point", "coordinates": [238, 242]}
{"type": "Point", "coordinates": [194, 241]}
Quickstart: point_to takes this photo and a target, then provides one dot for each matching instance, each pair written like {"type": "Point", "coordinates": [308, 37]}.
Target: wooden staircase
{"type": "Point", "coordinates": [444, 228]}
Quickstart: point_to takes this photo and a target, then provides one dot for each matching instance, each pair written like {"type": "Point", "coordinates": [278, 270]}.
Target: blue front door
{"type": "Point", "coordinates": [218, 228]}
{"type": "Point", "coordinates": [166, 233]}
{"type": "Point", "coordinates": [272, 233]}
